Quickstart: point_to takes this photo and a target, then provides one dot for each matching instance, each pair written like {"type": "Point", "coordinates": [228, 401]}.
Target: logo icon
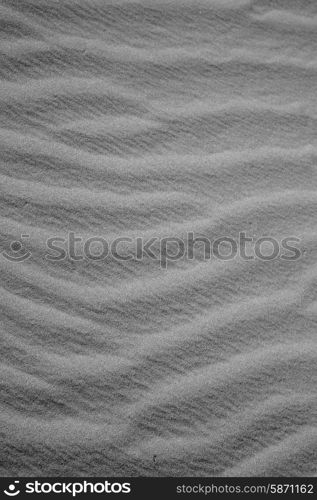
{"type": "Point", "coordinates": [17, 252]}
{"type": "Point", "coordinates": [13, 492]}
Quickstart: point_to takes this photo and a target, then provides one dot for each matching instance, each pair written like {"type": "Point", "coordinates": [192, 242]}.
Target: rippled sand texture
{"type": "Point", "coordinates": [148, 119]}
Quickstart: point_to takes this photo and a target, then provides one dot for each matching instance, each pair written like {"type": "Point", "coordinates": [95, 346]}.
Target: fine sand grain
{"type": "Point", "coordinates": [147, 119]}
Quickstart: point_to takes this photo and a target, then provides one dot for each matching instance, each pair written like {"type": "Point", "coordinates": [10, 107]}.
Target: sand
{"type": "Point", "coordinates": [152, 119]}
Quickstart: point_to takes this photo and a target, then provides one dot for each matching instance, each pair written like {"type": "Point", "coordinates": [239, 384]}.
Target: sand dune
{"type": "Point", "coordinates": [154, 119]}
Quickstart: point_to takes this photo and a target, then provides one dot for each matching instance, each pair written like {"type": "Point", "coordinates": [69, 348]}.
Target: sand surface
{"type": "Point", "coordinates": [146, 119]}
